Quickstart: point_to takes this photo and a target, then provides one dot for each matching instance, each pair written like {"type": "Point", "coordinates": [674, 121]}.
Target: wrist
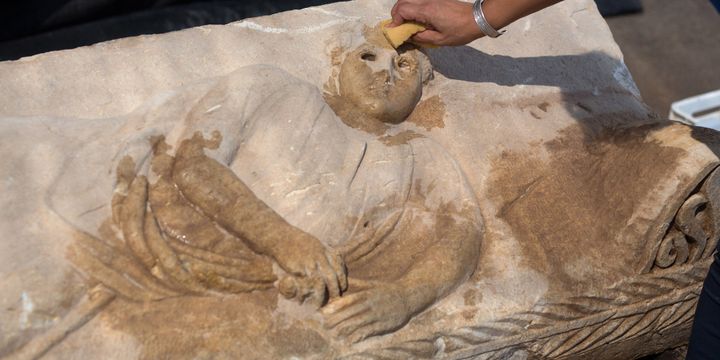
{"type": "Point", "coordinates": [273, 242]}
{"type": "Point", "coordinates": [496, 14]}
{"type": "Point", "coordinates": [471, 27]}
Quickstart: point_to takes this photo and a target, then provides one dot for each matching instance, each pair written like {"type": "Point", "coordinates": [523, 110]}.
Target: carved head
{"type": "Point", "coordinates": [380, 82]}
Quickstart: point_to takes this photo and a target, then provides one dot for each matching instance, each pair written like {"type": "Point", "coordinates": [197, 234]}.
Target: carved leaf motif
{"type": "Point", "coordinates": [653, 302]}
{"type": "Point", "coordinates": [601, 333]}
{"type": "Point", "coordinates": [682, 313]}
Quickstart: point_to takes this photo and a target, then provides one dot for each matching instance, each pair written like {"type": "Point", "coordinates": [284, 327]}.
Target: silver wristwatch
{"type": "Point", "coordinates": [482, 23]}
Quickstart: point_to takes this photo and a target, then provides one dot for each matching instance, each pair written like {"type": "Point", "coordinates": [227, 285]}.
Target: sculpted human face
{"type": "Point", "coordinates": [382, 82]}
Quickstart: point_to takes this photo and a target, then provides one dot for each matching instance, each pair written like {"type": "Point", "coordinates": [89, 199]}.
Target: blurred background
{"type": "Point", "coordinates": [672, 47]}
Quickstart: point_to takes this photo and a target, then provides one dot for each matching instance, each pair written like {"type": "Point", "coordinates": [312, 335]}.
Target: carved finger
{"type": "Point", "coordinates": [167, 258]}
{"type": "Point", "coordinates": [338, 266]}
{"type": "Point", "coordinates": [318, 294]}
{"type": "Point", "coordinates": [304, 287]}
{"type": "Point", "coordinates": [365, 332]}
{"type": "Point", "coordinates": [133, 216]}
{"type": "Point", "coordinates": [331, 280]}
{"type": "Point", "coordinates": [345, 328]}
{"type": "Point", "coordinates": [342, 302]}
{"type": "Point", "coordinates": [345, 314]}
{"type": "Point", "coordinates": [361, 285]}
{"type": "Point", "coordinates": [301, 288]}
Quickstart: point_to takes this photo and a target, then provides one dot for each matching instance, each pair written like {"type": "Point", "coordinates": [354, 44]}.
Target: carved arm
{"type": "Point", "coordinates": [222, 196]}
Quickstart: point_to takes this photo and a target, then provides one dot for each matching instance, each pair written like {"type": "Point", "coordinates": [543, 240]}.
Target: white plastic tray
{"type": "Point", "coordinates": [702, 110]}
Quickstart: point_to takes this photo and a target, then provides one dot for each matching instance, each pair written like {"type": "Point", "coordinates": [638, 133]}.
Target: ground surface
{"type": "Point", "coordinates": [672, 49]}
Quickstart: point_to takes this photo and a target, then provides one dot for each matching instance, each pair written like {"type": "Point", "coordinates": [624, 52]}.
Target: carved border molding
{"type": "Point", "coordinates": [647, 303]}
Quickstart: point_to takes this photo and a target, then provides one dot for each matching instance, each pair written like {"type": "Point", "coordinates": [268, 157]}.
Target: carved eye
{"type": "Point", "coordinates": [405, 63]}
{"type": "Point", "coordinates": [367, 56]}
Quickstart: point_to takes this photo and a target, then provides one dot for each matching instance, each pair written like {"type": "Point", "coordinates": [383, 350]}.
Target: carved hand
{"type": "Point", "coordinates": [375, 311]}
{"type": "Point", "coordinates": [307, 258]}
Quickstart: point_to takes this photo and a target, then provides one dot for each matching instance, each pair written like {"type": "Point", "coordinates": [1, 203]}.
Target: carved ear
{"type": "Point", "coordinates": [425, 67]}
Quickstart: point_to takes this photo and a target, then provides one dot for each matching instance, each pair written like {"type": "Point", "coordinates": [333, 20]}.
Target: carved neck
{"type": "Point", "coordinates": [354, 117]}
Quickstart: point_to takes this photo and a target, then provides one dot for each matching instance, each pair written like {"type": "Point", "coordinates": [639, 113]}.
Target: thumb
{"type": "Point", "coordinates": [404, 10]}
{"type": "Point", "coordinates": [428, 37]}
{"type": "Point", "coordinates": [397, 19]}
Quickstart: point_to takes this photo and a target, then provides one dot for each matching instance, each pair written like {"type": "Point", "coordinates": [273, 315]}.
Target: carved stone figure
{"type": "Point", "coordinates": [346, 204]}
{"type": "Point", "coordinates": [397, 227]}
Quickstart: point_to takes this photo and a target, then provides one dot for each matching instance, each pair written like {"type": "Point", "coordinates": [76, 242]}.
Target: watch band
{"type": "Point", "coordinates": [482, 23]}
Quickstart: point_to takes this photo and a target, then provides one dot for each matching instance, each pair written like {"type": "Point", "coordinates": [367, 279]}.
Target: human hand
{"type": "Point", "coordinates": [313, 267]}
{"type": "Point", "coordinates": [449, 22]}
{"type": "Point", "coordinates": [303, 290]}
{"type": "Point", "coordinates": [377, 310]}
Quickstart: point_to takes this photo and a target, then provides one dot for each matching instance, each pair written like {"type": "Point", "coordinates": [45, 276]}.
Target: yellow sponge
{"type": "Point", "coordinates": [401, 33]}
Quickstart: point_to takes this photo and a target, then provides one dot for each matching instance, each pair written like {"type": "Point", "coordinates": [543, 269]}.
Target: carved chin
{"type": "Point", "coordinates": [393, 115]}
{"type": "Point", "coordinates": [388, 113]}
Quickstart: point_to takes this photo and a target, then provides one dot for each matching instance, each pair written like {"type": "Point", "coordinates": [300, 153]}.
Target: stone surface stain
{"type": "Point", "coordinates": [429, 114]}
{"type": "Point", "coordinates": [401, 138]}
{"type": "Point", "coordinates": [235, 327]}
{"type": "Point", "coordinates": [575, 204]}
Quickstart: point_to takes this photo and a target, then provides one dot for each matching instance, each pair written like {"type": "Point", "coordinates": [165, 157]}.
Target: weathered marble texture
{"type": "Point", "coordinates": [575, 181]}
